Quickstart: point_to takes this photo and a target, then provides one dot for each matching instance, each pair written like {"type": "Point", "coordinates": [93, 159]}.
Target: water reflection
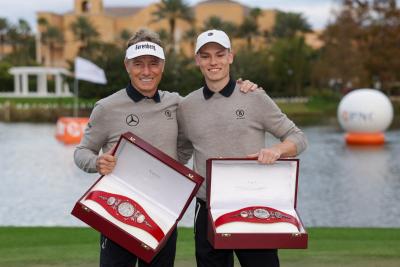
{"type": "Point", "coordinates": [344, 185]}
{"type": "Point", "coordinates": [338, 186]}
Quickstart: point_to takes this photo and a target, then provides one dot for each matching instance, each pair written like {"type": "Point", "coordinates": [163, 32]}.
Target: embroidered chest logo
{"type": "Point", "coordinates": [240, 114]}
{"type": "Point", "coordinates": [132, 120]}
{"type": "Point", "coordinates": [168, 114]}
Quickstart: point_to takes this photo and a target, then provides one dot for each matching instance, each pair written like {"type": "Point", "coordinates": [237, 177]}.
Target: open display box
{"type": "Point", "coordinates": [253, 205]}
{"type": "Point", "coordinates": [139, 204]}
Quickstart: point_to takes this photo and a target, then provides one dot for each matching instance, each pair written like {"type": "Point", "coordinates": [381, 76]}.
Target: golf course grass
{"type": "Point", "coordinates": [63, 246]}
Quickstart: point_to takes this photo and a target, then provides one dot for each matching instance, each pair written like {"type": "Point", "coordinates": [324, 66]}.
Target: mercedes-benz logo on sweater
{"type": "Point", "coordinates": [132, 120]}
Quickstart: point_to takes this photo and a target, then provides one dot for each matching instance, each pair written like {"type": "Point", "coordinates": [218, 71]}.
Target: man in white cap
{"type": "Point", "coordinates": [218, 120]}
{"type": "Point", "coordinates": [144, 110]}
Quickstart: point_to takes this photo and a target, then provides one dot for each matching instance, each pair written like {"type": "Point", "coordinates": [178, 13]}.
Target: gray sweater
{"type": "Point", "coordinates": [231, 126]}
{"type": "Point", "coordinates": [114, 115]}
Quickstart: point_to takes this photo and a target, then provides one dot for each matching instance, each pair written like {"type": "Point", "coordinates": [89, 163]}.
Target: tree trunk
{"type": "Point", "coordinates": [172, 33]}
{"type": "Point", "coordinates": [1, 45]}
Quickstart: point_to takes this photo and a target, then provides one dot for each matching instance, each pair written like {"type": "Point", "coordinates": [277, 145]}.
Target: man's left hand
{"type": "Point", "coordinates": [247, 86]}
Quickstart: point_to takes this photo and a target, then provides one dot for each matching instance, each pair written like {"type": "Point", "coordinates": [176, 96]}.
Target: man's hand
{"type": "Point", "coordinates": [247, 86]}
{"type": "Point", "coordinates": [267, 155]}
{"type": "Point", "coordinates": [105, 163]}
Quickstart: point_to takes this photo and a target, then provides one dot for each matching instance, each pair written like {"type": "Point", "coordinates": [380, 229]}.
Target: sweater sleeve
{"type": "Point", "coordinates": [185, 147]}
{"type": "Point", "coordinates": [278, 124]}
{"type": "Point", "coordinates": [94, 138]}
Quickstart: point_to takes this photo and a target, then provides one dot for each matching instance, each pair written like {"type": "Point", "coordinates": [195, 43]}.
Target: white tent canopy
{"type": "Point", "coordinates": [21, 82]}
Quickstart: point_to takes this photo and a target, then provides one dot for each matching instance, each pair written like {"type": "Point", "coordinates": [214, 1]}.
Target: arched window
{"type": "Point", "coordinates": [85, 6]}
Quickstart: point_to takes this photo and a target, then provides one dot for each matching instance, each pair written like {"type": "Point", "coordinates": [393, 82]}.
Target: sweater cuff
{"type": "Point", "coordinates": [300, 141]}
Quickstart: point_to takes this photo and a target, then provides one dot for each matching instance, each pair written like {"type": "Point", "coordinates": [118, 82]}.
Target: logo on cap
{"type": "Point", "coordinates": [145, 46]}
{"type": "Point", "coordinates": [210, 33]}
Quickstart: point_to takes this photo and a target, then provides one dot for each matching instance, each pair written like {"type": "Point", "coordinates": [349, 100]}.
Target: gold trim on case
{"type": "Point", "coordinates": [146, 247]}
{"type": "Point", "coordinates": [85, 208]}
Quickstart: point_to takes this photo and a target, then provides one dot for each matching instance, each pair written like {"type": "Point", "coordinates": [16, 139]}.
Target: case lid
{"type": "Point", "coordinates": [155, 175]}
{"type": "Point", "coordinates": [239, 182]}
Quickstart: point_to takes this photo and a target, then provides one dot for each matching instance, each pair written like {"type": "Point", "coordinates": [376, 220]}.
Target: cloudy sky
{"type": "Point", "coordinates": [317, 12]}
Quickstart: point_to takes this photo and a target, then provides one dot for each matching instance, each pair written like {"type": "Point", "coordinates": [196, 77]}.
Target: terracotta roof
{"type": "Point", "coordinates": [246, 8]}
{"type": "Point", "coordinates": [218, 1]}
{"type": "Point", "coordinates": [121, 11]}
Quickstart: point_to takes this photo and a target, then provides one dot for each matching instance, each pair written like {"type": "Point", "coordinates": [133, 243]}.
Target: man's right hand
{"type": "Point", "coordinates": [105, 163]}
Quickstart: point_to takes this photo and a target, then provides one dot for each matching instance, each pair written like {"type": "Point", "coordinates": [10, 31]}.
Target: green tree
{"type": "Point", "coordinates": [255, 13]}
{"type": "Point", "coordinates": [3, 33]}
{"type": "Point", "coordinates": [6, 79]}
{"type": "Point", "coordinates": [215, 22]}
{"type": "Point", "coordinates": [251, 28]}
{"type": "Point", "coordinates": [164, 36]}
{"type": "Point", "coordinates": [190, 36]}
{"type": "Point", "coordinates": [341, 60]}
{"type": "Point", "coordinates": [248, 30]}
{"type": "Point", "coordinates": [22, 41]}
{"type": "Point", "coordinates": [110, 58]}
{"type": "Point", "coordinates": [252, 65]}
{"type": "Point", "coordinates": [52, 37]}
{"type": "Point", "coordinates": [380, 43]}
{"type": "Point", "coordinates": [180, 74]}
{"type": "Point", "coordinates": [84, 32]}
{"type": "Point", "coordinates": [362, 46]}
{"type": "Point", "coordinates": [172, 10]}
{"type": "Point", "coordinates": [124, 37]}
{"type": "Point", "coordinates": [288, 24]}
{"type": "Point", "coordinates": [290, 65]}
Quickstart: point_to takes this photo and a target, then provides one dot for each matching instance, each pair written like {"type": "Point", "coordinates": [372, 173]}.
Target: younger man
{"type": "Point", "coordinates": [218, 120]}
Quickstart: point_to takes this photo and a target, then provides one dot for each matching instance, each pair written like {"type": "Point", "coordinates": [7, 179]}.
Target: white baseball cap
{"type": "Point", "coordinates": [144, 48]}
{"type": "Point", "coordinates": [212, 36]}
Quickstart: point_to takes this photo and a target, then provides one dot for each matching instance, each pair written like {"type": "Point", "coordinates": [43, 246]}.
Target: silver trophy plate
{"type": "Point", "coordinates": [126, 209]}
{"type": "Point", "coordinates": [261, 213]}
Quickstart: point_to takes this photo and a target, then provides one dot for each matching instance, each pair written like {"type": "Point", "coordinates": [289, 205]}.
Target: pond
{"type": "Point", "coordinates": [338, 185]}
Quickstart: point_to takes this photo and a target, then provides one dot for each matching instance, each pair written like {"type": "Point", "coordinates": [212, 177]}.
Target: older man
{"type": "Point", "coordinates": [142, 109]}
{"type": "Point", "coordinates": [218, 120]}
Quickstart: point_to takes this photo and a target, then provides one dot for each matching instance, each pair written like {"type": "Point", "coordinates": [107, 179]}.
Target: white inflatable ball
{"type": "Point", "coordinates": [365, 111]}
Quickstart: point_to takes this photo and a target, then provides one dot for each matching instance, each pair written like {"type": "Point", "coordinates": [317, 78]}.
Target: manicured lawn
{"type": "Point", "coordinates": [61, 247]}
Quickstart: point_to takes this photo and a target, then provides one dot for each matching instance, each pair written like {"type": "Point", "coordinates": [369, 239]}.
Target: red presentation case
{"type": "Point", "coordinates": [236, 185]}
{"type": "Point", "coordinates": [140, 203]}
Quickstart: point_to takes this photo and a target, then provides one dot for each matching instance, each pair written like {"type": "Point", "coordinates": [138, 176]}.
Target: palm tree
{"type": "Point", "coordinates": [51, 37]}
{"type": "Point", "coordinates": [22, 41]}
{"type": "Point", "coordinates": [3, 32]}
{"type": "Point", "coordinates": [23, 28]}
{"type": "Point", "coordinates": [248, 30]}
{"type": "Point", "coordinates": [255, 13]}
{"type": "Point", "coordinates": [84, 32]}
{"type": "Point", "coordinates": [215, 22]}
{"type": "Point", "coordinates": [164, 35]}
{"type": "Point", "coordinates": [190, 36]}
{"type": "Point", "coordinates": [289, 23]}
{"type": "Point", "coordinates": [124, 37]}
{"type": "Point", "coordinates": [172, 10]}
